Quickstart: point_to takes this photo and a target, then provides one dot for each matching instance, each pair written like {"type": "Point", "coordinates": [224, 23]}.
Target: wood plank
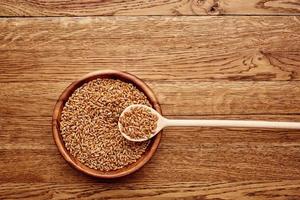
{"type": "Point", "coordinates": [206, 162]}
{"type": "Point", "coordinates": [160, 48]}
{"type": "Point", "coordinates": [28, 154]}
{"type": "Point", "coordinates": [176, 98]}
{"type": "Point", "coordinates": [154, 7]}
{"type": "Point", "coordinates": [36, 132]}
{"type": "Point", "coordinates": [280, 190]}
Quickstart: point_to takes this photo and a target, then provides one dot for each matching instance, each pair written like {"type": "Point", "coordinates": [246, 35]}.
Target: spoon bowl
{"type": "Point", "coordinates": [161, 122]}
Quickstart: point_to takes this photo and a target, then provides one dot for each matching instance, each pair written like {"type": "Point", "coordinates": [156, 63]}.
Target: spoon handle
{"type": "Point", "coordinates": [232, 123]}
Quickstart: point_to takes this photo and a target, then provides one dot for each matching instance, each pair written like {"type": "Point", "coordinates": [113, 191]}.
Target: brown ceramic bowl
{"type": "Point", "coordinates": [126, 77]}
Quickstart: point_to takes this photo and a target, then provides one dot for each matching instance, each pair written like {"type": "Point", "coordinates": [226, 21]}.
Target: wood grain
{"type": "Point", "coordinates": [211, 154]}
{"type": "Point", "coordinates": [159, 48]}
{"type": "Point", "coordinates": [155, 7]}
{"type": "Point", "coordinates": [176, 98]}
{"type": "Point", "coordinates": [233, 67]}
{"type": "Point", "coordinates": [206, 162]}
{"type": "Point", "coordinates": [279, 190]}
{"type": "Point", "coordinates": [36, 132]}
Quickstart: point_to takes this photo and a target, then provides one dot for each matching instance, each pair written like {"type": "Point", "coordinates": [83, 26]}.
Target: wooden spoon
{"type": "Point", "coordinates": [163, 122]}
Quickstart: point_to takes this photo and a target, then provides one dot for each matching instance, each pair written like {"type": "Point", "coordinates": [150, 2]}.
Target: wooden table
{"type": "Point", "coordinates": [227, 59]}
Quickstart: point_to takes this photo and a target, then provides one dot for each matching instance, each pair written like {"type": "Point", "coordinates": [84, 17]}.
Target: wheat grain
{"type": "Point", "coordinates": [89, 124]}
{"type": "Point", "coordinates": [138, 123]}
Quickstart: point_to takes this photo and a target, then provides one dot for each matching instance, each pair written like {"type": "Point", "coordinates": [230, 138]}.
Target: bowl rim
{"type": "Point", "coordinates": [141, 85]}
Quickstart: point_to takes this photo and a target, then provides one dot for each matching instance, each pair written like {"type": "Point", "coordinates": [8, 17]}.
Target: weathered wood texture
{"type": "Point", "coordinates": [148, 7]}
{"type": "Point", "coordinates": [199, 67]}
{"type": "Point", "coordinates": [279, 190]}
{"type": "Point", "coordinates": [153, 48]}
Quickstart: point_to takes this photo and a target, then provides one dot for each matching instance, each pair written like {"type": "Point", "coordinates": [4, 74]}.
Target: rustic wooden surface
{"type": "Point", "coordinates": [148, 7]}
{"type": "Point", "coordinates": [224, 67]}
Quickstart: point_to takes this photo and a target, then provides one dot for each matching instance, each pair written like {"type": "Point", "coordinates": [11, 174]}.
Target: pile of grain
{"type": "Point", "coordinates": [89, 124]}
{"type": "Point", "coordinates": [138, 123]}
